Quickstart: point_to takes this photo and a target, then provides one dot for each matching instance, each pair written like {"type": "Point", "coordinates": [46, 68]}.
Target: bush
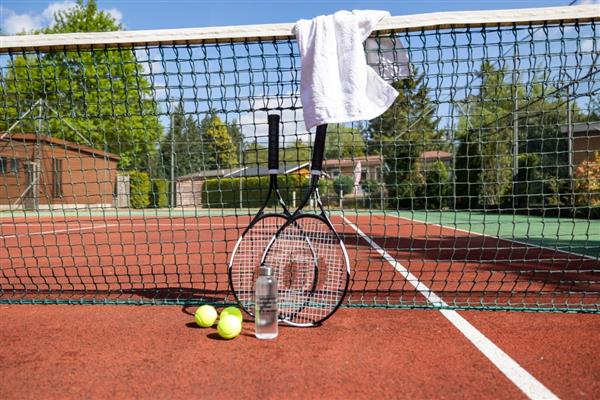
{"type": "Point", "coordinates": [437, 186]}
{"type": "Point", "coordinates": [139, 186]}
{"type": "Point", "coordinates": [343, 184]}
{"type": "Point", "coordinates": [587, 182]}
{"type": "Point", "coordinates": [159, 197]}
{"type": "Point", "coordinates": [225, 192]}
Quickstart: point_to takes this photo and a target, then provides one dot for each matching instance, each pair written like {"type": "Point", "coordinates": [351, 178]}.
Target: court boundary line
{"type": "Point", "coordinates": [518, 375]}
{"type": "Point", "coordinates": [79, 229]}
{"type": "Point", "coordinates": [529, 245]}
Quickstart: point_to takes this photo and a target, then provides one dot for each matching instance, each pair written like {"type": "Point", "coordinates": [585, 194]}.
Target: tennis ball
{"type": "Point", "coordinates": [205, 316]}
{"type": "Point", "coordinates": [229, 327]}
{"type": "Point", "coordinates": [236, 312]}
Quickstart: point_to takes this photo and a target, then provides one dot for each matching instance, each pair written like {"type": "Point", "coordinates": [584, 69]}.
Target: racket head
{"type": "Point", "coordinates": [312, 268]}
{"type": "Point", "coordinates": [246, 257]}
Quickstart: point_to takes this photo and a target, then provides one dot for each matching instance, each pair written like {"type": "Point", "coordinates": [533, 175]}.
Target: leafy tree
{"type": "Point", "coordinates": [237, 137]}
{"type": "Point", "coordinates": [484, 160]}
{"type": "Point", "coordinates": [587, 182]}
{"type": "Point", "coordinates": [343, 142]}
{"type": "Point", "coordinates": [343, 185]}
{"type": "Point", "coordinates": [100, 93]}
{"type": "Point", "coordinates": [296, 153]}
{"type": "Point", "coordinates": [485, 172]}
{"type": "Point", "coordinates": [218, 150]}
{"type": "Point", "coordinates": [407, 129]}
{"type": "Point", "coordinates": [437, 186]}
{"type": "Point", "coordinates": [84, 17]}
{"type": "Point", "coordinates": [255, 154]}
{"type": "Point", "coordinates": [183, 141]}
{"type": "Point", "coordinates": [594, 107]}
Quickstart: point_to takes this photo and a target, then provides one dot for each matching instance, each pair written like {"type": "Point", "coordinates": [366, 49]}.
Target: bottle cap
{"type": "Point", "coordinates": [265, 270]}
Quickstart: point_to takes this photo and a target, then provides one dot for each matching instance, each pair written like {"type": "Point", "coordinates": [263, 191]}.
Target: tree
{"type": "Point", "coordinates": [255, 154]}
{"type": "Point", "coordinates": [484, 157]}
{"type": "Point", "coordinates": [218, 149]}
{"type": "Point", "coordinates": [343, 142]}
{"type": "Point", "coordinates": [401, 134]}
{"type": "Point", "coordinates": [485, 171]}
{"type": "Point", "coordinates": [101, 93]}
{"type": "Point", "coordinates": [296, 153]}
{"type": "Point", "coordinates": [183, 142]}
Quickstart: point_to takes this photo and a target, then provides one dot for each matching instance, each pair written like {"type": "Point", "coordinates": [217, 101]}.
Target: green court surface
{"type": "Point", "coordinates": [573, 235]}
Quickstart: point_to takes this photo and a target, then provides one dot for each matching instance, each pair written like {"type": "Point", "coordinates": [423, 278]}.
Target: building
{"type": "Point", "coordinates": [586, 141]}
{"type": "Point", "coordinates": [429, 157]}
{"type": "Point", "coordinates": [370, 167]}
{"type": "Point", "coordinates": [189, 187]}
{"type": "Point", "coordinates": [38, 171]}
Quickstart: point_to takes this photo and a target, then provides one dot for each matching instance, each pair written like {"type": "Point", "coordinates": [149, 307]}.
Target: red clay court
{"type": "Point", "coordinates": [131, 161]}
{"type": "Point", "coordinates": [130, 351]}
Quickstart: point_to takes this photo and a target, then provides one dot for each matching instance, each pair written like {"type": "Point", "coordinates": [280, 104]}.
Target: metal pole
{"type": "Point", "coordinates": [515, 78]}
{"type": "Point", "coordinates": [173, 183]}
{"type": "Point", "coordinates": [570, 143]}
{"type": "Point", "coordinates": [241, 176]}
{"type": "Point", "coordinates": [381, 183]}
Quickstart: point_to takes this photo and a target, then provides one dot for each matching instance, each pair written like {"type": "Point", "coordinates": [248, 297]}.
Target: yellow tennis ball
{"type": "Point", "coordinates": [236, 312]}
{"type": "Point", "coordinates": [229, 327]}
{"type": "Point", "coordinates": [205, 316]}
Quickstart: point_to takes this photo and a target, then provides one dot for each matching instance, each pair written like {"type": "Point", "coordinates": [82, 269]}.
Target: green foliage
{"type": "Point", "coordinates": [370, 186]}
{"type": "Point", "coordinates": [343, 142]}
{"type": "Point", "coordinates": [84, 17]}
{"type": "Point", "coordinates": [297, 152]}
{"type": "Point", "coordinates": [183, 141]}
{"type": "Point", "coordinates": [484, 157]}
{"type": "Point", "coordinates": [486, 128]}
{"type": "Point", "coordinates": [426, 187]}
{"type": "Point", "coordinates": [225, 193]}
{"type": "Point", "coordinates": [343, 184]}
{"type": "Point", "coordinates": [159, 197]}
{"type": "Point", "coordinates": [587, 182]}
{"type": "Point", "coordinates": [101, 93]}
{"type": "Point", "coordinates": [139, 186]}
{"type": "Point", "coordinates": [219, 151]}
{"type": "Point", "coordinates": [407, 129]}
{"type": "Point", "coordinates": [437, 186]}
{"type": "Point", "coordinates": [530, 181]}
{"type": "Point", "coordinates": [255, 154]}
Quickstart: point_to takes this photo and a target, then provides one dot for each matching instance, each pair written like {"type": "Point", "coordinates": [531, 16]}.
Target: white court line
{"type": "Point", "coordinates": [165, 224]}
{"type": "Point", "coordinates": [58, 231]}
{"type": "Point", "coordinates": [526, 382]}
{"type": "Point", "coordinates": [528, 245]}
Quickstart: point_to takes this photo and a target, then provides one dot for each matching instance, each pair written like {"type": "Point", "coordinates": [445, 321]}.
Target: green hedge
{"type": "Point", "coordinates": [225, 193]}
{"type": "Point", "coordinates": [343, 184]}
{"type": "Point", "coordinates": [139, 187]}
{"type": "Point", "coordinates": [159, 197]}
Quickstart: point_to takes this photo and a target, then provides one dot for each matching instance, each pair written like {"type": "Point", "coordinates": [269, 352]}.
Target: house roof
{"type": "Point", "coordinates": [351, 162]}
{"type": "Point", "coordinates": [583, 128]}
{"type": "Point", "coordinates": [32, 138]}
{"type": "Point", "coordinates": [241, 172]}
{"type": "Point", "coordinates": [436, 155]}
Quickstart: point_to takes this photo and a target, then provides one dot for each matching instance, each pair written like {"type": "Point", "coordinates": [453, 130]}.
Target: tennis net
{"type": "Point", "coordinates": [130, 162]}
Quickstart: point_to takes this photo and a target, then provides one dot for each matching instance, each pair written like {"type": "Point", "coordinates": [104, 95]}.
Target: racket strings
{"type": "Point", "coordinates": [311, 253]}
{"type": "Point", "coordinates": [247, 256]}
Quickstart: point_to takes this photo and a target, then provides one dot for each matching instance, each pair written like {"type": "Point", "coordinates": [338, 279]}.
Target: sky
{"type": "Point", "coordinates": [25, 15]}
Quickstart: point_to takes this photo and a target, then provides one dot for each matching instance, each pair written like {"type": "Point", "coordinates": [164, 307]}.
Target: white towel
{"type": "Point", "coordinates": [337, 85]}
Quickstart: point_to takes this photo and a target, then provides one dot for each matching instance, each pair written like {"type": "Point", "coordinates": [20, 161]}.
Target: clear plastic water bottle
{"type": "Point", "coordinates": [265, 308]}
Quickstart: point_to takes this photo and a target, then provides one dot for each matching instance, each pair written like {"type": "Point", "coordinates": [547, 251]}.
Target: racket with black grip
{"type": "Point", "coordinates": [309, 258]}
{"type": "Point", "coordinates": [248, 251]}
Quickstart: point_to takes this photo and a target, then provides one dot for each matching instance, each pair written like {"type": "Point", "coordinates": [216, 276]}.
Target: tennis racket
{"type": "Point", "coordinates": [309, 258]}
{"type": "Point", "coordinates": [248, 251]}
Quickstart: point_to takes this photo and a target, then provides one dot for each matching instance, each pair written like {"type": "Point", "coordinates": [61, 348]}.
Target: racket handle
{"type": "Point", "coordinates": [319, 150]}
{"type": "Point", "coordinates": [273, 143]}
